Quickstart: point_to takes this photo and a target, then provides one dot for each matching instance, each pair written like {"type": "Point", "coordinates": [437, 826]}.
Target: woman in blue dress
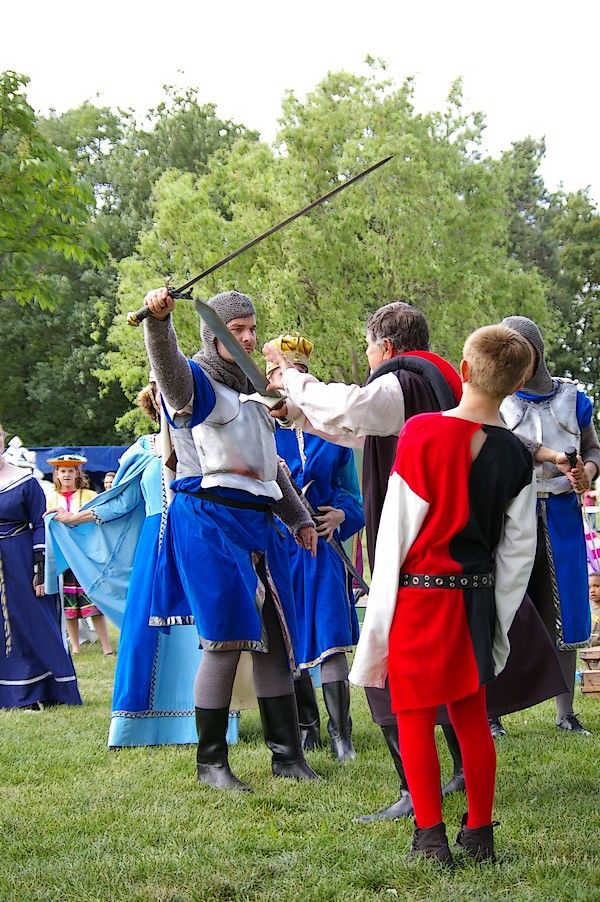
{"type": "Point", "coordinates": [35, 667]}
{"type": "Point", "coordinates": [114, 553]}
{"type": "Point", "coordinates": [326, 616]}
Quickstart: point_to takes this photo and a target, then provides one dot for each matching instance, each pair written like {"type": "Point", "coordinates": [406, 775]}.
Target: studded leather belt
{"type": "Point", "coordinates": [451, 581]}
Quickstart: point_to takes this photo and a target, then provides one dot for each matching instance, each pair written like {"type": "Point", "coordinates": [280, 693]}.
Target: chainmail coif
{"type": "Point", "coordinates": [229, 305]}
{"type": "Point", "coordinates": [541, 382]}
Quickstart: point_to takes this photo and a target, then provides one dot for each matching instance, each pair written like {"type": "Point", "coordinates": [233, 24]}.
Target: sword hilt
{"type": "Point", "coordinates": [571, 455]}
{"type": "Point", "coordinates": [137, 317]}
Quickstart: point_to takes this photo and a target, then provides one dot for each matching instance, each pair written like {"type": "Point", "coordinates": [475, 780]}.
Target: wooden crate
{"type": "Point", "coordinates": [590, 682]}
{"type": "Point", "coordinates": [591, 657]}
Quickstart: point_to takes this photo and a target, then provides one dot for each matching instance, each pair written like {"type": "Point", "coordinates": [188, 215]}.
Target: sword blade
{"type": "Point", "coordinates": [134, 319]}
{"type": "Point", "coordinates": [283, 223]}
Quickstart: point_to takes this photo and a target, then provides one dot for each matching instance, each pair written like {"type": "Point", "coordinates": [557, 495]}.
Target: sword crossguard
{"type": "Point", "coordinates": [137, 317]}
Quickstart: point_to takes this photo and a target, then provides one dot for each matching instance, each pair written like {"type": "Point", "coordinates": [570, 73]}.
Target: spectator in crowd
{"type": "Point", "coordinates": [70, 493]}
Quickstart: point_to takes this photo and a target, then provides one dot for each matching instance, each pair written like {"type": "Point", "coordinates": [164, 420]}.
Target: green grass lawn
{"type": "Point", "coordinates": [78, 822]}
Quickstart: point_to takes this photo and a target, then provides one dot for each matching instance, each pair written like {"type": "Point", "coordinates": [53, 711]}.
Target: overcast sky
{"type": "Point", "coordinates": [530, 66]}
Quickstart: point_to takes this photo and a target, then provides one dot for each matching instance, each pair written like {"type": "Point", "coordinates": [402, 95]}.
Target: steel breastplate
{"type": "Point", "coordinates": [553, 423]}
{"type": "Point", "coordinates": [235, 445]}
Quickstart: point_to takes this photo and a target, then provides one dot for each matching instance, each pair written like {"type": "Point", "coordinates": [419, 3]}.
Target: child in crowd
{"type": "Point", "coordinates": [595, 606]}
{"type": "Point", "coordinates": [454, 553]}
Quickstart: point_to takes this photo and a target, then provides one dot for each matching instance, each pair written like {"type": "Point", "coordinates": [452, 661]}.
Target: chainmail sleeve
{"type": "Point", "coordinates": [590, 448]}
{"type": "Point", "coordinates": [291, 509]}
{"type": "Point", "coordinates": [171, 367]}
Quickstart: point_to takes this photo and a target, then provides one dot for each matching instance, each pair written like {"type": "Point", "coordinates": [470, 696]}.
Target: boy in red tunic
{"type": "Point", "coordinates": [454, 553]}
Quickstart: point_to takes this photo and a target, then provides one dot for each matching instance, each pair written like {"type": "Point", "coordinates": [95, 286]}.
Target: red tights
{"type": "Point", "coordinates": [422, 767]}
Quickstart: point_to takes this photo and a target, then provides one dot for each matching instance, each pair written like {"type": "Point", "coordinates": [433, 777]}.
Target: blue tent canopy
{"type": "Point", "coordinates": [100, 458]}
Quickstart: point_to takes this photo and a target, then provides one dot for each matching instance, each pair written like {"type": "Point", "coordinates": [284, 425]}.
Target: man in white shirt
{"type": "Point", "coordinates": [406, 379]}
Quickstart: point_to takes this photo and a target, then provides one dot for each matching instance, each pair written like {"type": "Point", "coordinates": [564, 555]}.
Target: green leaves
{"type": "Point", "coordinates": [44, 209]}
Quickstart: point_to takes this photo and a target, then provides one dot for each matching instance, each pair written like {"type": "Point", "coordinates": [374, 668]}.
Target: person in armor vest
{"type": "Point", "coordinates": [557, 414]}
{"type": "Point", "coordinates": [222, 564]}
{"type": "Point", "coordinates": [407, 379]}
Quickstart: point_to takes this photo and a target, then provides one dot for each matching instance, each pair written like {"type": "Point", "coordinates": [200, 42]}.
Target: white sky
{"type": "Point", "coordinates": [530, 66]}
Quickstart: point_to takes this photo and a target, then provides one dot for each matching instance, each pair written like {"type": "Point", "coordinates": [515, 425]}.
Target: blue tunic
{"type": "Point", "coordinates": [34, 663]}
{"type": "Point", "coordinates": [327, 622]}
{"type": "Point", "coordinates": [206, 571]}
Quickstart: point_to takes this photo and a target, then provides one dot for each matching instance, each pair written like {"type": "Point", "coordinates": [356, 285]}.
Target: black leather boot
{"type": "Point", "coordinates": [212, 763]}
{"type": "Point", "coordinates": [403, 806]}
{"type": "Point", "coordinates": [457, 782]}
{"type": "Point", "coordinates": [339, 725]}
{"type": "Point", "coordinates": [496, 728]}
{"type": "Point", "coordinates": [308, 712]}
{"type": "Point", "coordinates": [279, 716]}
{"type": "Point", "coordinates": [477, 842]}
{"type": "Point", "coordinates": [431, 842]}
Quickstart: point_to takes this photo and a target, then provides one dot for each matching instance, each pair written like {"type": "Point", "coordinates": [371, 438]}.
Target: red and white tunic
{"type": "Point", "coordinates": [445, 514]}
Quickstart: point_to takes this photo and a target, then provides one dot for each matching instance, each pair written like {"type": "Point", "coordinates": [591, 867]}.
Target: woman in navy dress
{"type": "Point", "coordinates": [35, 667]}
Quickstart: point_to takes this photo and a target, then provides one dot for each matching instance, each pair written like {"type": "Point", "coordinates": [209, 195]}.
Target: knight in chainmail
{"type": "Point", "coordinates": [558, 414]}
{"type": "Point", "coordinates": [223, 565]}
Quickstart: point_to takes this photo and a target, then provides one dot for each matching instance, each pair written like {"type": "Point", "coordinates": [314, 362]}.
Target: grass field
{"type": "Point", "coordinates": [78, 822]}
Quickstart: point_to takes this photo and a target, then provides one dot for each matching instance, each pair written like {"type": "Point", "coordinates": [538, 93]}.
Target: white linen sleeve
{"type": "Point", "coordinates": [513, 564]}
{"type": "Point", "coordinates": [348, 410]}
{"type": "Point", "coordinates": [401, 519]}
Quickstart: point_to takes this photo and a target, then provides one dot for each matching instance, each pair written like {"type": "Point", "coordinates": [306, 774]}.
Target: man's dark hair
{"type": "Point", "coordinates": [403, 325]}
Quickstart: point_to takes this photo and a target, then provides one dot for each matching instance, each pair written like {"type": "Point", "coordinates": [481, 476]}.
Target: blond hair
{"type": "Point", "coordinates": [81, 480]}
{"type": "Point", "coordinates": [498, 359]}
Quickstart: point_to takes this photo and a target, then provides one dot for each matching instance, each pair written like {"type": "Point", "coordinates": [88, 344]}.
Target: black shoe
{"type": "Point", "coordinates": [212, 764]}
{"type": "Point", "coordinates": [477, 842]}
{"type": "Point", "coordinates": [431, 842]}
{"type": "Point", "coordinates": [456, 783]}
{"type": "Point", "coordinates": [339, 726]}
{"type": "Point", "coordinates": [279, 716]}
{"type": "Point", "coordinates": [572, 724]}
{"type": "Point", "coordinates": [496, 728]}
{"type": "Point", "coordinates": [308, 713]}
{"type": "Point", "coordinates": [402, 808]}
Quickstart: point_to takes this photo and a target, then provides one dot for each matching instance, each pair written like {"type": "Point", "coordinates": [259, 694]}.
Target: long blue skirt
{"type": "Point", "coordinates": [327, 621]}
{"type": "Point", "coordinates": [35, 666]}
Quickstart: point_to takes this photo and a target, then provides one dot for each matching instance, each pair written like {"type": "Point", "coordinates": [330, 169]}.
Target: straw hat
{"type": "Point", "coordinates": [67, 460]}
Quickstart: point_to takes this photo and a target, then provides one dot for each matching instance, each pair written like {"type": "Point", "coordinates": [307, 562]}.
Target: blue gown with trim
{"type": "Point", "coordinates": [206, 571]}
{"type": "Point", "coordinates": [35, 665]}
{"type": "Point", "coordinates": [327, 621]}
{"type": "Point", "coordinates": [153, 699]}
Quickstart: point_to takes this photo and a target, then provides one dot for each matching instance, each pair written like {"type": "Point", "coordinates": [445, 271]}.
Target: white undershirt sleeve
{"type": "Point", "coordinates": [336, 409]}
{"type": "Point", "coordinates": [401, 520]}
{"type": "Point", "coordinates": [514, 562]}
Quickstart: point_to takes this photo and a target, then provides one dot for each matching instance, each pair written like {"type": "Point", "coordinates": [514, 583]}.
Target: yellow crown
{"type": "Point", "coordinates": [296, 348]}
